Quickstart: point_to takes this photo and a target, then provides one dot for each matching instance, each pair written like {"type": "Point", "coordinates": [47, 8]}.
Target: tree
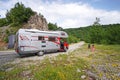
{"type": "Point", "coordinates": [52, 26]}
{"type": "Point", "coordinates": [97, 20]}
{"type": "Point", "coordinates": [60, 28]}
{"type": "Point", "coordinates": [19, 14]}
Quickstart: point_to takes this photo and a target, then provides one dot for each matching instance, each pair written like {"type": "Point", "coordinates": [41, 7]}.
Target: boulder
{"type": "Point", "coordinates": [37, 22]}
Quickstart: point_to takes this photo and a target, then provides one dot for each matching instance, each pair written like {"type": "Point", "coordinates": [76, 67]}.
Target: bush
{"type": "Point", "coordinates": [72, 39]}
{"type": "Point", "coordinates": [3, 22]}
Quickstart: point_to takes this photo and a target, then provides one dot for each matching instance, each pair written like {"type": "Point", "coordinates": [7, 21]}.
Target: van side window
{"type": "Point", "coordinates": [52, 39]}
{"type": "Point", "coordinates": [40, 38]}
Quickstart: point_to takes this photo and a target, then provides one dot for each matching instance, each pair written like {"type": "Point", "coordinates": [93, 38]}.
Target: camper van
{"type": "Point", "coordinates": [32, 41]}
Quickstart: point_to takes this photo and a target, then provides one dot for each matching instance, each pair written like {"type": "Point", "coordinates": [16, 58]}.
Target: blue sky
{"type": "Point", "coordinates": [105, 4]}
{"type": "Point", "coordinates": [100, 4]}
{"type": "Point", "coordinates": [70, 13]}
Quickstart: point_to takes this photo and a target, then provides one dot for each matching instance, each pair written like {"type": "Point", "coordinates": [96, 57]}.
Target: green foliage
{"type": "Point", "coordinates": [3, 22]}
{"type": "Point", "coordinates": [19, 14]}
{"type": "Point", "coordinates": [8, 32]}
{"type": "Point", "coordinates": [101, 34]}
{"type": "Point", "coordinates": [54, 27]}
{"type": "Point", "coordinates": [61, 67]}
{"type": "Point", "coordinates": [72, 39]}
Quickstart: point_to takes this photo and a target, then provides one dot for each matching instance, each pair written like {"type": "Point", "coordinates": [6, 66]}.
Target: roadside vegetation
{"type": "Point", "coordinates": [62, 67]}
{"type": "Point", "coordinates": [81, 64]}
{"type": "Point", "coordinates": [104, 62]}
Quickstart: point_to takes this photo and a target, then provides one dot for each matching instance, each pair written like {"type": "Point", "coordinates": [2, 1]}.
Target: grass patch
{"type": "Point", "coordinates": [104, 63]}
{"type": "Point", "coordinates": [61, 67]}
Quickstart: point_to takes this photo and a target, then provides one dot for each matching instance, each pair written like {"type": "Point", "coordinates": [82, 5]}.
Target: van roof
{"type": "Point", "coordinates": [61, 34]}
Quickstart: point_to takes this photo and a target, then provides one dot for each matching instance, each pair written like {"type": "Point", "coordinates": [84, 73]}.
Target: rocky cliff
{"type": "Point", "coordinates": [37, 22]}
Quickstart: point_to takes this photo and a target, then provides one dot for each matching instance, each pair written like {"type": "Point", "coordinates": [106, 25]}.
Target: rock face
{"type": "Point", "coordinates": [37, 22]}
{"type": "Point", "coordinates": [3, 32]}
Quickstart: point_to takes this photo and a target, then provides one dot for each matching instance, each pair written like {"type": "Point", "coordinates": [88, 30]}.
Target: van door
{"type": "Point", "coordinates": [53, 44]}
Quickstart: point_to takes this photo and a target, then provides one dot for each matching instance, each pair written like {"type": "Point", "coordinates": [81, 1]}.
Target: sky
{"type": "Point", "coordinates": [70, 13]}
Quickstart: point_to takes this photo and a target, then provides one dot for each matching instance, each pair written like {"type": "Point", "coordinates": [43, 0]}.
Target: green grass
{"type": "Point", "coordinates": [68, 67]}
{"type": "Point", "coordinates": [62, 67]}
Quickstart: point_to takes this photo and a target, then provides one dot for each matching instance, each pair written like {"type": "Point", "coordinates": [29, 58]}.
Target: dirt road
{"type": "Point", "coordinates": [12, 56]}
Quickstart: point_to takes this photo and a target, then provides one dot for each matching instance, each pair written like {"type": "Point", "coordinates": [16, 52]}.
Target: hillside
{"type": "Point", "coordinates": [101, 34]}
{"type": "Point", "coordinates": [20, 17]}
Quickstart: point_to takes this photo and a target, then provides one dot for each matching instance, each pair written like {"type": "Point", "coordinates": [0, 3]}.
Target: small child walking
{"type": "Point", "coordinates": [93, 48]}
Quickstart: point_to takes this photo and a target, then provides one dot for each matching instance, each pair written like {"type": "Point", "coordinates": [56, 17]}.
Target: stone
{"type": "Point", "coordinates": [78, 70]}
{"type": "Point", "coordinates": [37, 22]}
{"type": "Point", "coordinates": [83, 77]}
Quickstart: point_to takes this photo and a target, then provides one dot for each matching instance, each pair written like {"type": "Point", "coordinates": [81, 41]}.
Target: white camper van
{"type": "Point", "coordinates": [35, 41]}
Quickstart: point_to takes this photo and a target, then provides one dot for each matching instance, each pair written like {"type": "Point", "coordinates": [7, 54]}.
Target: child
{"type": "Point", "coordinates": [89, 46]}
{"type": "Point", "coordinates": [93, 48]}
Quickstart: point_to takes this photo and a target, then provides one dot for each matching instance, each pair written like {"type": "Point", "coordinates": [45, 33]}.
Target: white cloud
{"type": "Point", "coordinates": [68, 15]}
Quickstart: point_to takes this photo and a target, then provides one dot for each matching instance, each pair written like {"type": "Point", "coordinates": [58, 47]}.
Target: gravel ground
{"type": "Point", "coordinates": [12, 56]}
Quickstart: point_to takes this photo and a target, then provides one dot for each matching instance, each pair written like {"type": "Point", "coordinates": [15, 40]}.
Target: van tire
{"type": "Point", "coordinates": [41, 53]}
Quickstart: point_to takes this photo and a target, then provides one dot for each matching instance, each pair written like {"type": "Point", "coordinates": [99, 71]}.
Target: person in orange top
{"type": "Point", "coordinates": [66, 44]}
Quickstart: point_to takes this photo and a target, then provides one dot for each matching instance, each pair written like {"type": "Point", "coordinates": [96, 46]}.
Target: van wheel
{"type": "Point", "coordinates": [41, 53]}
